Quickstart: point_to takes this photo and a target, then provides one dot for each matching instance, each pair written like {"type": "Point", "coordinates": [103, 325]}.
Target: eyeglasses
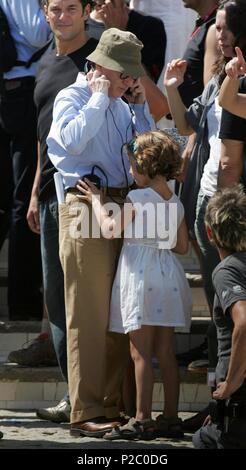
{"type": "Point", "coordinates": [123, 76]}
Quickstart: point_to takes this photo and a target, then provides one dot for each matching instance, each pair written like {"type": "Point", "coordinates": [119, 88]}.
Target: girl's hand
{"type": "Point", "coordinates": [137, 95]}
{"type": "Point", "coordinates": [174, 74]}
{"type": "Point", "coordinates": [236, 66]}
{"type": "Point", "coordinates": [88, 190]}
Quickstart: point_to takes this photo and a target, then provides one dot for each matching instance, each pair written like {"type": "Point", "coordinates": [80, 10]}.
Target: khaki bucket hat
{"type": "Point", "coordinates": [120, 51]}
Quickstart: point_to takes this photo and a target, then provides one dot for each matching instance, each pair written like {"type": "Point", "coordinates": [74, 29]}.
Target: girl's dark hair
{"type": "Point", "coordinates": [236, 21]}
{"type": "Point", "coordinates": [155, 153]}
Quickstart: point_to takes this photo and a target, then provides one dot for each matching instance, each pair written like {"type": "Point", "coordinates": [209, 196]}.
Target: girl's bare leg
{"type": "Point", "coordinates": [141, 346]}
{"type": "Point", "coordinates": [164, 352]}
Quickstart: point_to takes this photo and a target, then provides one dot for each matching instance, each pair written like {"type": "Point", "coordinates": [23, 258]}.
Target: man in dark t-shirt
{"type": "Point", "coordinates": [55, 73]}
{"type": "Point", "coordinates": [226, 227]}
{"type": "Point", "coordinates": [193, 83]}
{"type": "Point", "coordinates": [59, 68]}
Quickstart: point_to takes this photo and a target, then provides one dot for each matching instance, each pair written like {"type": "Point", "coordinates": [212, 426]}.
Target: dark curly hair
{"type": "Point", "coordinates": [155, 153]}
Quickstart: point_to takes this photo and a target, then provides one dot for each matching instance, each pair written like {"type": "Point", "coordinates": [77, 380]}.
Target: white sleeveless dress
{"type": "Point", "coordinates": [150, 287]}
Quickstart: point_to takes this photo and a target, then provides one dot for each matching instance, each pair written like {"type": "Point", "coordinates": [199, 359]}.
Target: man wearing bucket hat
{"type": "Point", "coordinates": [91, 124]}
{"type": "Point", "coordinates": [119, 51]}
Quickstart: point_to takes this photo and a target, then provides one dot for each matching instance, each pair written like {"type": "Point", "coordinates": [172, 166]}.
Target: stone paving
{"type": "Point", "coordinates": [23, 430]}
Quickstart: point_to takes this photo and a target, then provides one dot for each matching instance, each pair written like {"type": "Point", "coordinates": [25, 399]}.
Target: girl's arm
{"type": "Point", "coordinates": [111, 226]}
{"type": "Point", "coordinates": [182, 244]}
{"type": "Point", "coordinates": [229, 98]}
{"type": "Point", "coordinates": [173, 78]}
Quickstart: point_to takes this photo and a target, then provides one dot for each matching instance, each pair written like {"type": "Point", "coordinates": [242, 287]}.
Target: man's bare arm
{"type": "Point", "coordinates": [33, 209]}
{"type": "Point", "coordinates": [231, 163]}
{"type": "Point", "coordinates": [237, 366]}
{"type": "Point", "coordinates": [211, 54]}
{"type": "Point", "coordinates": [157, 101]}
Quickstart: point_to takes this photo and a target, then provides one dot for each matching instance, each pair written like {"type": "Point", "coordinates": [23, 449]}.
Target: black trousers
{"type": "Point", "coordinates": [18, 160]}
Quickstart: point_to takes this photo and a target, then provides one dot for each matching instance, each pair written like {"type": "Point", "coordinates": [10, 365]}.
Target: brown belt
{"type": "Point", "coordinates": [114, 192]}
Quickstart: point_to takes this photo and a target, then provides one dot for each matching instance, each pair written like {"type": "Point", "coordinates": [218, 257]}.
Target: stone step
{"type": "Point", "coordinates": [194, 392]}
{"type": "Point", "coordinates": [30, 388]}
{"type": "Point", "coordinates": [188, 261]}
{"type": "Point", "coordinates": [15, 335]}
{"type": "Point", "coordinates": [200, 307]}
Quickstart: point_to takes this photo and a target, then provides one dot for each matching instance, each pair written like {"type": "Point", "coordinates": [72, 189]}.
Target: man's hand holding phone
{"type": "Point", "coordinates": [136, 94]}
{"type": "Point", "coordinates": [98, 82]}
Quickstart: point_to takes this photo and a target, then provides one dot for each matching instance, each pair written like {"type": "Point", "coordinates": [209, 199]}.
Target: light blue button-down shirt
{"type": "Point", "coordinates": [30, 31]}
{"type": "Point", "coordinates": [91, 129]}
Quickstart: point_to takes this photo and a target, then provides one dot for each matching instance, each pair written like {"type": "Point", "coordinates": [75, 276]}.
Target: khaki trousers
{"type": "Point", "coordinates": [96, 358]}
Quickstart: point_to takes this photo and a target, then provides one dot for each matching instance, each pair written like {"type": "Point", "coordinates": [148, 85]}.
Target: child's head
{"type": "Point", "coordinates": [155, 153]}
{"type": "Point", "coordinates": [226, 219]}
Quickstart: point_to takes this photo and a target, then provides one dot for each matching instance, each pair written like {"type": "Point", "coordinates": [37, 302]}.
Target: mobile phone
{"type": "Point", "coordinates": [93, 178]}
{"type": "Point", "coordinates": [128, 92]}
{"type": "Point", "coordinates": [88, 66]}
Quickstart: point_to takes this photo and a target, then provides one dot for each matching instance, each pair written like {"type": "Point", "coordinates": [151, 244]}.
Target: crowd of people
{"type": "Point", "coordinates": [100, 219]}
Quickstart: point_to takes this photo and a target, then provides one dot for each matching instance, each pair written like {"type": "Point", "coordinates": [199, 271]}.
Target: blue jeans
{"type": "Point", "coordinates": [210, 256]}
{"type": "Point", "coordinates": [53, 279]}
{"type": "Point", "coordinates": [209, 260]}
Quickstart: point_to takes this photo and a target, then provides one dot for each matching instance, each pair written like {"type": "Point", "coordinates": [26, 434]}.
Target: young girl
{"type": "Point", "coordinates": [150, 294]}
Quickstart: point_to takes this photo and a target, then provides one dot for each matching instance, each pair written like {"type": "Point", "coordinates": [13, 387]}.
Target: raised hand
{"type": "Point", "coordinates": [237, 65]}
{"type": "Point", "coordinates": [174, 74]}
{"type": "Point", "coordinates": [97, 82]}
{"type": "Point", "coordinates": [114, 14]}
{"type": "Point", "coordinates": [137, 94]}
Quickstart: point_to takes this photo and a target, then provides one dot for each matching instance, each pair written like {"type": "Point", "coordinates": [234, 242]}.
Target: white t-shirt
{"type": "Point", "coordinates": [210, 172]}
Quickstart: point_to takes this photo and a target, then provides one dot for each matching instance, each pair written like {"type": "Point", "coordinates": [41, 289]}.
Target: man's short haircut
{"type": "Point", "coordinates": [83, 2]}
{"type": "Point", "coordinates": [226, 217]}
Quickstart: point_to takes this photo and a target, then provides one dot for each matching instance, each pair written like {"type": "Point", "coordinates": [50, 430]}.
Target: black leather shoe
{"type": "Point", "coordinates": [195, 422]}
{"type": "Point", "coordinates": [1, 435]}
{"type": "Point", "coordinates": [95, 427]}
{"type": "Point", "coordinates": [199, 352]}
